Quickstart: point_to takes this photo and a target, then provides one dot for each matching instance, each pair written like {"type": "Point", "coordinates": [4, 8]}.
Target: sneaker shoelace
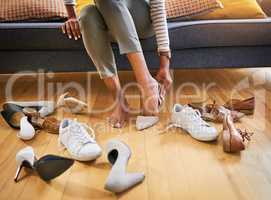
{"type": "Point", "coordinates": [195, 117]}
{"type": "Point", "coordinates": [89, 130]}
{"type": "Point", "coordinates": [79, 135]}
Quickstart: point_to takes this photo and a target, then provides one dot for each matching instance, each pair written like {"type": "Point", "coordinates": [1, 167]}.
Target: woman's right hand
{"type": "Point", "coordinates": [71, 28]}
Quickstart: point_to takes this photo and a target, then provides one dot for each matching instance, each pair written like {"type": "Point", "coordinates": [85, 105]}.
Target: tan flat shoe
{"type": "Point", "coordinates": [246, 106]}
{"type": "Point", "coordinates": [233, 138]}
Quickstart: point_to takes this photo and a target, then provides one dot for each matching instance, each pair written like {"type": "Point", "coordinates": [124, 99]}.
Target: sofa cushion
{"type": "Point", "coordinates": [183, 35]}
{"type": "Point", "coordinates": [31, 10]}
{"type": "Point", "coordinates": [237, 9]}
{"type": "Point", "coordinates": [81, 4]}
{"type": "Point", "coordinates": [183, 9]}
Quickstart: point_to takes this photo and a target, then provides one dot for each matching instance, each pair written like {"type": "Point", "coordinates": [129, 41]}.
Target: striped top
{"type": "Point", "coordinates": [159, 19]}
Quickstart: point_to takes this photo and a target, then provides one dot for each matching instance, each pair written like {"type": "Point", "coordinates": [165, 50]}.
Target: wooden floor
{"type": "Point", "coordinates": [176, 166]}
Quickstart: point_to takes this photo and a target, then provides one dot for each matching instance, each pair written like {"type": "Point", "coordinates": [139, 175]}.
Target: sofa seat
{"type": "Point", "coordinates": [218, 33]}
{"type": "Point", "coordinates": [183, 35]}
{"type": "Point", "coordinates": [195, 44]}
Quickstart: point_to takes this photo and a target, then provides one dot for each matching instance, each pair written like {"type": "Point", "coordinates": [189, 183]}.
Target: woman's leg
{"type": "Point", "coordinates": [97, 41]}
{"type": "Point", "coordinates": [98, 45]}
{"type": "Point", "coordinates": [148, 84]}
{"type": "Point", "coordinates": [119, 115]}
{"type": "Point", "coordinates": [121, 25]}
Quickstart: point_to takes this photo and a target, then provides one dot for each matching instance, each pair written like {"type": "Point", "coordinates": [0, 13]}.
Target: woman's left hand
{"type": "Point", "coordinates": [163, 76]}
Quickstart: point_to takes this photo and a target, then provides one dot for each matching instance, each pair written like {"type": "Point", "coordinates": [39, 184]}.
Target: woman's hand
{"type": "Point", "coordinates": [163, 76]}
{"type": "Point", "coordinates": [71, 28]}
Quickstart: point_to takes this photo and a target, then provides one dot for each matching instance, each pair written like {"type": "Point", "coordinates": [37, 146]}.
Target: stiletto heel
{"type": "Point", "coordinates": [18, 173]}
{"type": "Point", "coordinates": [25, 164]}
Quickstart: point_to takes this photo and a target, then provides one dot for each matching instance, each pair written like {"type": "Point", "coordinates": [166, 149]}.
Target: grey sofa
{"type": "Point", "coordinates": [195, 44]}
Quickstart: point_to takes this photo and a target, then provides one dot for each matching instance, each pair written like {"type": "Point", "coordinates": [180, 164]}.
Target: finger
{"type": "Point", "coordinates": [77, 29]}
{"type": "Point", "coordinates": [63, 29]}
{"type": "Point", "coordinates": [72, 25]}
{"type": "Point", "coordinates": [68, 30]}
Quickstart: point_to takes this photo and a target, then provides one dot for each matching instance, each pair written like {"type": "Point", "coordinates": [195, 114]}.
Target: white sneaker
{"type": "Point", "coordinates": [75, 137]}
{"type": "Point", "coordinates": [190, 120]}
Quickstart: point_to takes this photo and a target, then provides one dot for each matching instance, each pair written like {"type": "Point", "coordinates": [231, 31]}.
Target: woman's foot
{"type": "Point", "coordinates": [151, 98]}
{"type": "Point", "coordinates": [120, 113]}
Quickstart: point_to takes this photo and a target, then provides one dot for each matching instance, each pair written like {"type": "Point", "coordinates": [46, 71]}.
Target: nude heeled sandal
{"type": "Point", "coordinates": [73, 104]}
{"type": "Point", "coordinates": [144, 122]}
{"type": "Point", "coordinates": [214, 112]}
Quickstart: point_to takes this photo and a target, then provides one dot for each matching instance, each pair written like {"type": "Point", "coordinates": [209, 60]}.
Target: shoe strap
{"type": "Point", "coordinates": [245, 134]}
{"type": "Point", "coordinates": [169, 126]}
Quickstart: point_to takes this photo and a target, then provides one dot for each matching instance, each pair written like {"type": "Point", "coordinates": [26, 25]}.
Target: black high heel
{"type": "Point", "coordinates": [47, 167]}
{"type": "Point", "coordinates": [12, 114]}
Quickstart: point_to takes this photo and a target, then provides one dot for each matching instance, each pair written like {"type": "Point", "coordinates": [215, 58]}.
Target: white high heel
{"type": "Point", "coordinates": [119, 180]}
{"type": "Point", "coordinates": [27, 131]}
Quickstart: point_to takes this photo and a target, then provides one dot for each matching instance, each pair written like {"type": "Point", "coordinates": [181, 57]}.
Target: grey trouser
{"type": "Point", "coordinates": [121, 21]}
